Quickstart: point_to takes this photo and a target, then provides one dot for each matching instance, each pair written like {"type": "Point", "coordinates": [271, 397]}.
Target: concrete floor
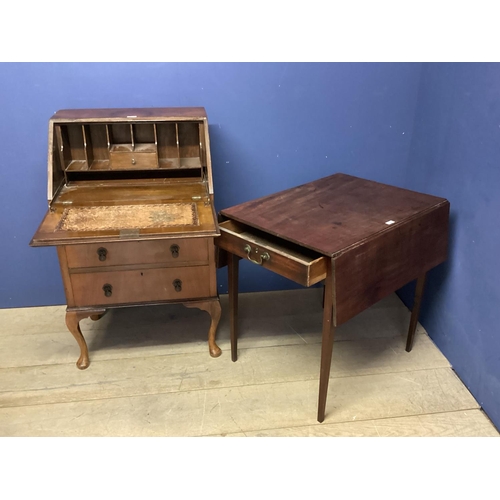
{"type": "Point", "coordinates": [151, 374]}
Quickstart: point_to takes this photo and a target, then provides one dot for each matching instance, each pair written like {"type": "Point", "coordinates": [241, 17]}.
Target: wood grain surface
{"type": "Point", "coordinates": [333, 213]}
{"type": "Point", "coordinates": [128, 114]}
{"type": "Point", "coordinates": [174, 251]}
{"type": "Point", "coordinates": [367, 273]}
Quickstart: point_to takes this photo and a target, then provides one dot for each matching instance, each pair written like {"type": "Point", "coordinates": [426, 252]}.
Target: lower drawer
{"type": "Point", "coordinates": [142, 285]}
{"type": "Point", "coordinates": [280, 256]}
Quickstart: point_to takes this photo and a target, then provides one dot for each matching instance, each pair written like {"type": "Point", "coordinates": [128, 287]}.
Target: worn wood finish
{"type": "Point", "coordinates": [286, 259]}
{"type": "Point", "coordinates": [125, 192]}
{"type": "Point", "coordinates": [331, 214]}
{"type": "Point", "coordinates": [151, 376]}
{"type": "Point", "coordinates": [173, 251]}
{"type": "Point", "coordinates": [116, 141]}
{"type": "Point", "coordinates": [131, 211]}
{"type": "Point", "coordinates": [470, 423]}
{"type": "Point", "coordinates": [419, 291]}
{"type": "Point", "coordinates": [128, 114]}
{"type": "Point", "coordinates": [378, 238]}
{"type": "Point", "coordinates": [380, 265]}
{"type": "Point", "coordinates": [136, 286]}
{"type": "Point", "coordinates": [49, 233]}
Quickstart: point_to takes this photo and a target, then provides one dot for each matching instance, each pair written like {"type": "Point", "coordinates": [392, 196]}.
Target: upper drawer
{"type": "Point", "coordinates": [287, 259]}
{"type": "Point", "coordinates": [173, 251]}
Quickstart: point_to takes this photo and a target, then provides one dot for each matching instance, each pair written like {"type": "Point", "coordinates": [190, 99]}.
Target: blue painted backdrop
{"type": "Point", "coordinates": [272, 126]}
{"type": "Point", "coordinates": [455, 153]}
{"type": "Point", "coordinates": [431, 127]}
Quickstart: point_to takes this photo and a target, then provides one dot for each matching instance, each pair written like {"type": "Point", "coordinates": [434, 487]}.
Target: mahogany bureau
{"type": "Point", "coordinates": [363, 238]}
{"type": "Point", "coordinates": [131, 212]}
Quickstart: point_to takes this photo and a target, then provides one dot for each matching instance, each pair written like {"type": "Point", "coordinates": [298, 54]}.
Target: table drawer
{"type": "Point", "coordinates": [173, 251]}
{"type": "Point", "coordinates": [142, 285]}
{"type": "Point", "coordinates": [287, 259]}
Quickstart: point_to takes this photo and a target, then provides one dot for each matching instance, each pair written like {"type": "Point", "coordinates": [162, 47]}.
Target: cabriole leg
{"type": "Point", "coordinates": [73, 319]}
{"type": "Point", "coordinates": [213, 308]}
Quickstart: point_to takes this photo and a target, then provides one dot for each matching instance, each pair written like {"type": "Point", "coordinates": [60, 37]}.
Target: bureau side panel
{"type": "Point", "coordinates": [63, 264]}
{"type": "Point", "coordinates": [212, 266]}
{"type": "Point", "coordinates": [369, 272]}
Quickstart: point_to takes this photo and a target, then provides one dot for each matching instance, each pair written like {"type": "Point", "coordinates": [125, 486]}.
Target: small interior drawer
{"type": "Point", "coordinates": [140, 285]}
{"type": "Point", "coordinates": [126, 157]}
{"type": "Point", "coordinates": [280, 256]}
{"type": "Point", "coordinates": [174, 252]}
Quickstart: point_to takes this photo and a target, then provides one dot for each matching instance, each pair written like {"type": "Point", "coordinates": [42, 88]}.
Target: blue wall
{"type": "Point", "coordinates": [433, 128]}
{"type": "Point", "coordinates": [455, 153]}
{"type": "Point", "coordinates": [273, 126]}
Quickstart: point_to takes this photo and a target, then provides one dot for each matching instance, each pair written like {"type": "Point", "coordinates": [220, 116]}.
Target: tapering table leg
{"type": "Point", "coordinates": [233, 270]}
{"type": "Point", "coordinates": [326, 343]}
{"type": "Point", "coordinates": [419, 290]}
{"type": "Point", "coordinates": [213, 308]}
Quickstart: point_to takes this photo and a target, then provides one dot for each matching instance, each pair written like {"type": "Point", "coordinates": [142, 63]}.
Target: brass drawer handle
{"type": "Point", "coordinates": [263, 256]}
{"type": "Point", "coordinates": [102, 252]}
{"type": "Point", "coordinates": [175, 251]}
{"type": "Point", "coordinates": [177, 285]}
{"type": "Point", "coordinates": [108, 290]}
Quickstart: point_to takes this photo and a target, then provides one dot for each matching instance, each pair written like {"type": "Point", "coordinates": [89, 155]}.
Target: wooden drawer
{"type": "Point", "coordinates": [141, 285]}
{"type": "Point", "coordinates": [173, 252]}
{"type": "Point", "coordinates": [143, 156]}
{"type": "Point", "coordinates": [287, 259]}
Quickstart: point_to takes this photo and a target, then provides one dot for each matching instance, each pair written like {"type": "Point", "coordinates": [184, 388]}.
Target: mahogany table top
{"type": "Point", "coordinates": [331, 214]}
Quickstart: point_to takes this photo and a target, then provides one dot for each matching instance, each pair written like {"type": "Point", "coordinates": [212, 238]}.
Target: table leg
{"type": "Point", "coordinates": [97, 317]}
{"type": "Point", "coordinates": [73, 319]}
{"type": "Point", "coordinates": [212, 307]}
{"type": "Point", "coordinates": [233, 269]}
{"type": "Point", "coordinates": [326, 344]}
{"type": "Point", "coordinates": [415, 311]}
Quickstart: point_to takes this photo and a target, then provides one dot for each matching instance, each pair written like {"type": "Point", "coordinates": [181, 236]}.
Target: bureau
{"type": "Point", "coordinates": [131, 212]}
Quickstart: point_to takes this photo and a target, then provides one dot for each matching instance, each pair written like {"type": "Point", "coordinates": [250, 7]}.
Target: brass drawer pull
{"type": "Point", "coordinates": [263, 256]}
{"type": "Point", "coordinates": [102, 252]}
{"type": "Point", "coordinates": [108, 290]}
{"type": "Point", "coordinates": [177, 285]}
{"type": "Point", "coordinates": [175, 251]}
